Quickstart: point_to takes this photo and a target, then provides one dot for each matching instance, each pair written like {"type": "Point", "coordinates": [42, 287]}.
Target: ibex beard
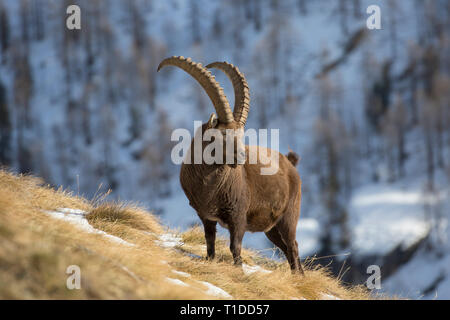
{"type": "Point", "coordinates": [237, 195]}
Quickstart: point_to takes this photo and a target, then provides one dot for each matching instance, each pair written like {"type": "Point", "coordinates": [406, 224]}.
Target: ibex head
{"type": "Point", "coordinates": [229, 124]}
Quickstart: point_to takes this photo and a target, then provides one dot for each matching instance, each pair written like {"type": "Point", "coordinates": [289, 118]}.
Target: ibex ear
{"type": "Point", "coordinates": [213, 121]}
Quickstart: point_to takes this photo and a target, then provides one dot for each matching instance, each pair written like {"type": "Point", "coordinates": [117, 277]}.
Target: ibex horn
{"type": "Point", "coordinates": [241, 90]}
{"type": "Point", "coordinates": [207, 81]}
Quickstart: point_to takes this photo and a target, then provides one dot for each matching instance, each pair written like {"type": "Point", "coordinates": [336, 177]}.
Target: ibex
{"type": "Point", "coordinates": [237, 195]}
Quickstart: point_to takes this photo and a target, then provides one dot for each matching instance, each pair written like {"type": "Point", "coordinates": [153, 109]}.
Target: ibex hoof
{"type": "Point", "coordinates": [298, 272]}
{"type": "Point", "coordinates": [238, 263]}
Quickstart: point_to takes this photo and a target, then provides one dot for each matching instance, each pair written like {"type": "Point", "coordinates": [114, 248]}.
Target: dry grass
{"type": "Point", "coordinates": [36, 249]}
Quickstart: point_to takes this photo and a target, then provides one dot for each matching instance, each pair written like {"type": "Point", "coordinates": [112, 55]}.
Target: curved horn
{"type": "Point", "coordinates": [241, 90]}
{"type": "Point", "coordinates": [207, 81]}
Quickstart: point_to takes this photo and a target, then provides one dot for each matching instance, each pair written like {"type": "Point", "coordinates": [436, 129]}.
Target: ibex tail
{"type": "Point", "coordinates": [293, 157]}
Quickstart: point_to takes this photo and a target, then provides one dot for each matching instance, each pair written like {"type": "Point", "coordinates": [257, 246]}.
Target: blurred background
{"type": "Point", "coordinates": [368, 111]}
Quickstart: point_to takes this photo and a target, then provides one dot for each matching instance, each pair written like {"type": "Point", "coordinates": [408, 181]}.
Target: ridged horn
{"type": "Point", "coordinates": [241, 90]}
{"type": "Point", "coordinates": [207, 81]}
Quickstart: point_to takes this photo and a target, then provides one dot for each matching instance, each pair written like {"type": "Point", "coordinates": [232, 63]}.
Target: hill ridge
{"type": "Point", "coordinates": [123, 252]}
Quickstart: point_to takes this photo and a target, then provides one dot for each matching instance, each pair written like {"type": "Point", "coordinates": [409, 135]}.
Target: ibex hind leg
{"type": "Point", "coordinates": [287, 230]}
{"type": "Point", "coordinates": [275, 237]}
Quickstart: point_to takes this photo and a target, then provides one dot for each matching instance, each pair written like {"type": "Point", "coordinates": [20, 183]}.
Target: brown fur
{"type": "Point", "coordinates": [241, 199]}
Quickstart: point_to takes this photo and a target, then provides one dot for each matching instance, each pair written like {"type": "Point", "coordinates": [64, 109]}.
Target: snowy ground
{"type": "Point", "coordinates": [384, 216]}
{"type": "Point", "coordinates": [78, 218]}
{"type": "Point", "coordinates": [426, 276]}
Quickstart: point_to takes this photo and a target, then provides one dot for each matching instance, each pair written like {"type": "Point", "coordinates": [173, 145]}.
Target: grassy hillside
{"type": "Point", "coordinates": [38, 243]}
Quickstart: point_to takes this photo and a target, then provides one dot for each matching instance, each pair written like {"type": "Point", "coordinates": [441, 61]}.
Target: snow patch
{"type": "Point", "coordinates": [181, 273]}
{"type": "Point", "coordinates": [419, 278]}
{"type": "Point", "coordinates": [72, 211]}
{"type": "Point", "coordinates": [177, 282]}
{"type": "Point", "coordinates": [248, 270]}
{"type": "Point", "coordinates": [215, 291]}
{"type": "Point", "coordinates": [326, 296]}
{"type": "Point", "coordinates": [383, 217]}
{"type": "Point", "coordinates": [78, 218]}
{"type": "Point", "coordinates": [168, 240]}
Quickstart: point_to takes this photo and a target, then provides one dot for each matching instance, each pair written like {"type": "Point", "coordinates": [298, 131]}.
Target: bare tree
{"type": "Point", "coordinates": [392, 15]}
{"type": "Point", "coordinates": [5, 128]}
{"type": "Point", "coordinates": [333, 147]}
{"type": "Point", "coordinates": [272, 54]}
{"type": "Point", "coordinates": [343, 15]}
{"type": "Point", "coordinates": [4, 32]}
{"type": "Point", "coordinates": [427, 122]}
{"type": "Point", "coordinates": [394, 128]}
{"type": "Point", "coordinates": [38, 19]}
{"type": "Point", "coordinates": [158, 169]}
{"type": "Point", "coordinates": [25, 21]}
{"type": "Point", "coordinates": [357, 13]}
{"type": "Point", "coordinates": [195, 19]}
{"type": "Point", "coordinates": [302, 6]}
{"type": "Point", "coordinates": [137, 22]}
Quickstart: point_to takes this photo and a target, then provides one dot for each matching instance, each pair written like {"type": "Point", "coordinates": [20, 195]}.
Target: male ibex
{"type": "Point", "coordinates": [237, 195]}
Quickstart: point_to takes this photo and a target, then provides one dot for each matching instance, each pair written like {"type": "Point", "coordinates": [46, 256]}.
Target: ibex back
{"type": "Point", "coordinates": [237, 195]}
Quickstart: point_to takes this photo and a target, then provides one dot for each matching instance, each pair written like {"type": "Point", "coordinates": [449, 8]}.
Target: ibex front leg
{"type": "Point", "coordinates": [237, 230]}
{"type": "Point", "coordinates": [210, 236]}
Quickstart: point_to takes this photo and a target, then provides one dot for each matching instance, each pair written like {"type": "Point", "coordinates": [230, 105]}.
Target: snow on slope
{"type": "Point", "coordinates": [215, 291]}
{"type": "Point", "coordinates": [248, 270]}
{"type": "Point", "coordinates": [78, 218]}
{"type": "Point", "coordinates": [426, 276]}
{"type": "Point", "coordinates": [385, 216]}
